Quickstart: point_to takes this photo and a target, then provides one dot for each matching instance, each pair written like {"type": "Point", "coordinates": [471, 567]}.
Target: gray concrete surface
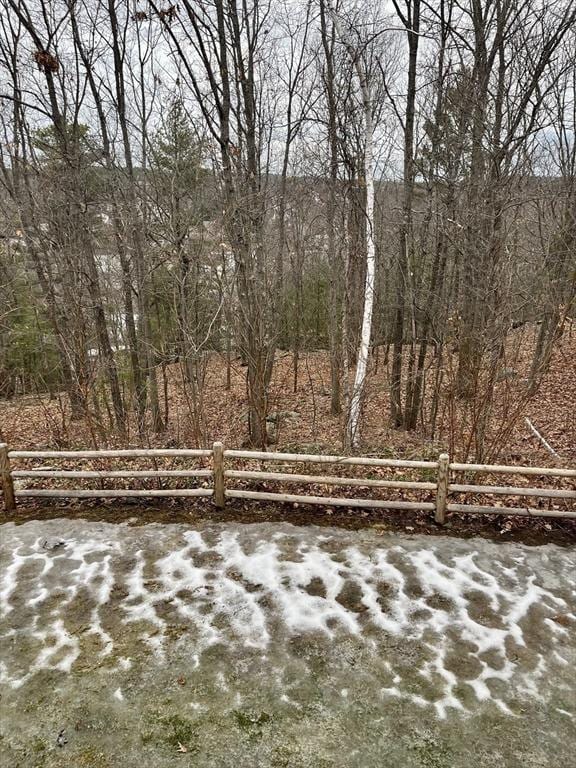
{"type": "Point", "coordinates": [274, 646]}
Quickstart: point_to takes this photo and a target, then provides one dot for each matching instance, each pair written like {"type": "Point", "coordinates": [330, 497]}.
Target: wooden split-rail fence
{"type": "Point", "coordinates": [219, 481]}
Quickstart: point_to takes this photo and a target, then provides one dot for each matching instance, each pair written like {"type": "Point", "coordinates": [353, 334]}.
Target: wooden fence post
{"type": "Point", "coordinates": [219, 479]}
{"type": "Point", "coordinates": [442, 488]}
{"type": "Point", "coordinates": [6, 480]}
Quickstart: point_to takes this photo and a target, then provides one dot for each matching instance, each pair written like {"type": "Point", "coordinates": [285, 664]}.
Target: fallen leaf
{"type": "Point", "coordinates": [562, 619]}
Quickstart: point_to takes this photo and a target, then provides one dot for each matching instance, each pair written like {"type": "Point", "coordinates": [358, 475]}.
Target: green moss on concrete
{"type": "Point", "coordinates": [431, 752]}
{"type": "Point", "coordinates": [171, 730]}
{"type": "Point", "coordinates": [92, 758]}
{"type": "Point", "coordinates": [252, 723]}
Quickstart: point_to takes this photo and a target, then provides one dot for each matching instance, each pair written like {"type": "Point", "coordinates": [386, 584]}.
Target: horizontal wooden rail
{"type": "Point", "coordinates": [437, 490]}
{"type": "Point", "coordinates": [302, 458]}
{"type": "Point", "coordinates": [549, 493]}
{"type": "Point", "coordinates": [327, 501]}
{"type": "Point", "coordinates": [94, 493]}
{"type": "Point", "coordinates": [88, 474]}
{"type": "Point", "coordinates": [109, 454]}
{"type": "Point", "coordinates": [507, 470]}
{"type": "Point", "coordinates": [526, 511]}
{"type": "Point", "coordinates": [286, 477]}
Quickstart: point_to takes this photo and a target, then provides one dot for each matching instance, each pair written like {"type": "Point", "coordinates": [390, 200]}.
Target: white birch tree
{"type": "Point", "coordinates": [355, 51]}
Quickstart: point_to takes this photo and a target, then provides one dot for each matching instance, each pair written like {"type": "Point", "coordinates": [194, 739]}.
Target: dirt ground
{"type": "Point", "coordinates": [275, 646]}
{"type": "Point", "coordinates": [36, 422]}
{"type": "Point", "coordinates": [494, 527]}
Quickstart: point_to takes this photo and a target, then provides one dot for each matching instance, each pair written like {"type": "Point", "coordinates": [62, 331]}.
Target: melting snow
{"type": "Point", "coordinates": [255, 587]}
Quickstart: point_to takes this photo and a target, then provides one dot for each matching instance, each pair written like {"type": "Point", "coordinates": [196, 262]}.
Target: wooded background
{"type": "Point", "coordinates": [393, 183]}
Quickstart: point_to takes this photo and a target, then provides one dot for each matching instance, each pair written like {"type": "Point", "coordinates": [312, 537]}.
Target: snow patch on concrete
{"type": "Point", "coordinates": [481, 617]}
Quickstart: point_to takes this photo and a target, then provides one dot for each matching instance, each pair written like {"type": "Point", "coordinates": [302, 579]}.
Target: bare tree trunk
{"type": "Point", "coordinates": [136, 226]}
{"type": "Point", "coordinates": [352, 436]}
{"type": "Point", "coordinates": [353, 433]}
{"type": "Point", "coordinates": [118, 230]}
{"type": "Point", "coordinates": [411, 22]}
{"type": "Point", "coordinates": [104, 341]}
{"type": "Point", "coordinates": [334, 260]}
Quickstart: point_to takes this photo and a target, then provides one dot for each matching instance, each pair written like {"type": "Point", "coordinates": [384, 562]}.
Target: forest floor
{"type": "Point", "coordinates": [35, 422]}
{"type": "Point", "coordinates": [271, 645]}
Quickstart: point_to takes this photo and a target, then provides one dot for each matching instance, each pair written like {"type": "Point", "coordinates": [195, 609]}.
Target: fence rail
{"type": "Point", "coordinates": [223, 479]}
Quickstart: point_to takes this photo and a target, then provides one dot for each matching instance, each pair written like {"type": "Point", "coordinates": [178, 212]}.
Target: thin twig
{"type": "Point", "coordinates": [542, 440]}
